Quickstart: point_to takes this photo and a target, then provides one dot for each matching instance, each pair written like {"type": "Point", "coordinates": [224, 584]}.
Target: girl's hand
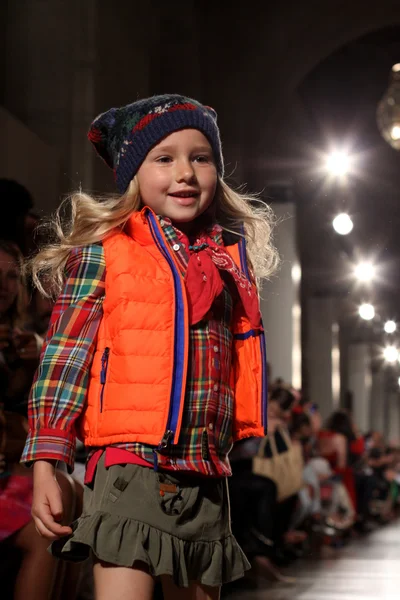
{"type": "Point", "coordinates": [26, 345]}
{"type": "Point", "coordinates": [47, 508]}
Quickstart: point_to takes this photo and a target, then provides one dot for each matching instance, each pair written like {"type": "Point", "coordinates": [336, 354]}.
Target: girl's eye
{"type": "Point", "coordinates": [164, 159]}
{"type": "Point", "coordinates": [203, 158]}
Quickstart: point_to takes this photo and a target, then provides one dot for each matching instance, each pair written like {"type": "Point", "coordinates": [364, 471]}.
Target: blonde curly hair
{"type": "Point", "coordinates": [92, 219]}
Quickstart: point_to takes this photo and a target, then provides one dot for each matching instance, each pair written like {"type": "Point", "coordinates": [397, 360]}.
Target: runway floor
{"type": "Point", "coordinates": [367, 569]}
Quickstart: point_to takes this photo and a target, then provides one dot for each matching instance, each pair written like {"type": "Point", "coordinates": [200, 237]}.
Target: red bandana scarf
{"type": "Point", "coordinates": [204, 282]}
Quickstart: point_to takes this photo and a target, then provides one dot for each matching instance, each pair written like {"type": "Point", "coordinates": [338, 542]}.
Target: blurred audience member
{"type": "Point", "coordinates": [19, 356]}
{"type": "Point", "coordinates": [334, 444]}
{"type": "Point", "coordinates": [16, 223]}
{"type": "Point", "coordinates": [40, 309]}
{"type": "Point", "coordinates": [19, 348]}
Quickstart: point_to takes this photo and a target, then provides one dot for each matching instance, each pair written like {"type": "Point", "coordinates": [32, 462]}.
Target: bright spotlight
{"type": "Point", "coordinates": [399, 381]}
{"type": "Point", "coordinates": [338, 163]}
{"type": "Point", "coordinates": [296, 273]}
{"type": "Point", "coordinates": [395, 132]}
{"type": "Point", "coordinates": [364, 271]}
{"type": "Point", "coordinates": [366, 311]}
{"type": "Point", "coordinates": [342, 224]}
{"type": "Point", "coordinates": [390, 327]}
{"type": "Point", "coordinates": [391, 354]}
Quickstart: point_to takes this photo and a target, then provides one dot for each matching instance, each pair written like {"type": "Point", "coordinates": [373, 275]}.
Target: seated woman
{"type": "Point", "coordinates": [19, 357]}
{"type": "Point", "coordinates": [259, 520]}
{"type": "Point", "coordinates": [334, 443]}
{"type": "Point", "coordinates": [309, 502]}
{"type": "Point", "coordinates": [337, 509]}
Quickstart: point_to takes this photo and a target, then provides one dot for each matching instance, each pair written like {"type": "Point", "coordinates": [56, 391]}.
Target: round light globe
{"type": "Point", "coordinates": [342, 224]}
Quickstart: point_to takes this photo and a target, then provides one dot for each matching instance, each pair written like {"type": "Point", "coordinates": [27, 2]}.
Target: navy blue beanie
{"type": "Point", "coordinates": [124, 136]}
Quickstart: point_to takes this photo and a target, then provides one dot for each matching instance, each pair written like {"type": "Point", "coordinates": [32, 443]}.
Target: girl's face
{"type": "Point", "coordinates": [178, 177]}
{"type": "Point", "coordinates": [9, 281]}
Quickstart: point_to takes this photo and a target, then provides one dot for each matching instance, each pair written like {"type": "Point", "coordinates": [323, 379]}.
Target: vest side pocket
{"type": "Point", "coordinates": [103, 374]}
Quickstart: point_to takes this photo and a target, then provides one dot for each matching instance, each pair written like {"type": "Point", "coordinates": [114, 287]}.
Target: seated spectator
{"type": "Point", "coordinates": [16, 219]}
{"type": "Point", "coordinates": [309, 502]}
{"type": "Point", "coordinates": [19, 356]}
{"type": "Point", "coordinates": [334, 445]}
{"type": "Point", "coordinates": [40, 309]}
{"type": "Point", "coordinates": [19, 348]}
{"type": "Point", "coordinates": [380, 461]}
{"type": "Point", "coordinates": [337, 510]}
{"type": "Point", "coordinates": [261, 523]}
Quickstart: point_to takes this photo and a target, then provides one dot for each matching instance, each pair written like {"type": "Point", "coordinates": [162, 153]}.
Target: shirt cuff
{"type": "Point", "coordinates": [50, 444]}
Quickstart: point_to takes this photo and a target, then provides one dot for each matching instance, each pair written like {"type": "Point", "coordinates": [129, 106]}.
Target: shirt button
{"type": "Point", "coordinates": [216, 349]}
{"type": "Point", "coordinates": [176, 247]}
{"type": "Point", "coordinates": [210, 426]}
{"type": "Point", "coordinates": [216, 387]}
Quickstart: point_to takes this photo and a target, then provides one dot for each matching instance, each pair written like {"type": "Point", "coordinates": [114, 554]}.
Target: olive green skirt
{"type": "Point", "coordinates": [177, 524]}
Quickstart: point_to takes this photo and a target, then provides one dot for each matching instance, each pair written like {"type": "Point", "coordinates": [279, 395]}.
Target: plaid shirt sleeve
{"type": "Point", "coordinates": [59, 389]}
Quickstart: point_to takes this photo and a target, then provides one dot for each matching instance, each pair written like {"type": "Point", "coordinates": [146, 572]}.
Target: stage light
{"type": "Point", "coordinates": [338, 163]}
{"type": "Point", "coordinates": [395, 132]}
{"type": "Point", "coordinates": [388, 111]}
{"type": "Point", "coordinates": [364, 271]}
{"type": "Point", "coordinates": [391, 354]}
{"type": "Point", "coordinates": [366, 311]}
{"type": "Point", "coordinates": [342, 224]}
{"type": "Point", "coordinates": [296, 273]}
{"type": "Point", "coordinates": [390, 327]}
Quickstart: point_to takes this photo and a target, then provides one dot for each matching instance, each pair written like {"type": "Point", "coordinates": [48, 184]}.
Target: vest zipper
{"type": "Point", "coordinates": [166, 440]}
{"type": "Point", "coordinates": [264, 383]}
{"type": "Point", "coordinates": [103, 374]}
{"type": "Point", "coordinates": [179, 375]}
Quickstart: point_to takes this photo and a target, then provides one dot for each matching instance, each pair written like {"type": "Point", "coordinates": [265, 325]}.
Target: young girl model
{"type": "Point", "coordinates": [155, 356]}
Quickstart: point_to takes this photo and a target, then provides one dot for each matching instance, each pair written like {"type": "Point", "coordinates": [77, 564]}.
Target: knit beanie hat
{"type": "Point", "coordinates": [124, 136]}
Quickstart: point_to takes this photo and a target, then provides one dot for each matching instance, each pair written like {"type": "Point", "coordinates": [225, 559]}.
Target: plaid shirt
{"type": "Point", "coordinates": [59, 391]}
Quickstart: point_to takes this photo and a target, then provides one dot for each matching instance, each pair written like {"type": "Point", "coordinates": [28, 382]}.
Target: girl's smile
{"type": "Point", "coordinates": [184, 198]}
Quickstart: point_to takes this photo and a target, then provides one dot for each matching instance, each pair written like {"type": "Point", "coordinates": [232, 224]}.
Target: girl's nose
{"type": "Point", "coordinates": [185, 171]}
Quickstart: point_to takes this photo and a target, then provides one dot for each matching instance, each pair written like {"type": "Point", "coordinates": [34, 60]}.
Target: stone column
{"type": "Point", "coordinates": [280, 303]}
{"type": "Point", "coordinates": [360, 381]}
{"type": "Point", "coordinates": [323, 355]}
{"type": "Point", "coordinates": [393, 433]}
{"type": "Point", "coordinates": [391, 405]}
{"type": "Point", "coordinates": [377, 403]}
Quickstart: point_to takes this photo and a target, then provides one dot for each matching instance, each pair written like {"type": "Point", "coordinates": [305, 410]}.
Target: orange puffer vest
{"type": "Point", "coordinates": [138, 376]}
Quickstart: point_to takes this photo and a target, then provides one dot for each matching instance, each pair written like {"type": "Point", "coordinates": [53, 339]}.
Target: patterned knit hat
{"type": "Point", "coordinates": [124, 136]}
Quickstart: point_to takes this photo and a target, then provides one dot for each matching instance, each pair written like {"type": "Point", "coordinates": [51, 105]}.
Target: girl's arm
{"type": "Point", "coordinates": [58, 393]}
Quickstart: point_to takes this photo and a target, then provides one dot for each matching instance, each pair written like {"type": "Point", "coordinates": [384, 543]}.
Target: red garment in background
{"type": "Point", "coordinates": [357, 446]}
{"type": "Point", "coordinates": [346, 473]}
{"type": "Point", "coordinates": [16, 493]}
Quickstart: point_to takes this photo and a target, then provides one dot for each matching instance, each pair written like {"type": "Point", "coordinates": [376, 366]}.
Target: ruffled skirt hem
{"type": "Point", "coordinates": [122, 541]}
